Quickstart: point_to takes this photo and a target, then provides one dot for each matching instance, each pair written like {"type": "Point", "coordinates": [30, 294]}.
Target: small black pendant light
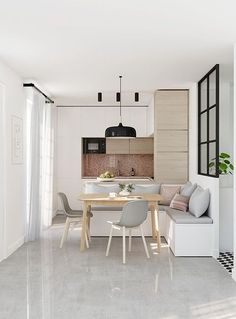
{"type": "Point", "coordinates": [120, 130]}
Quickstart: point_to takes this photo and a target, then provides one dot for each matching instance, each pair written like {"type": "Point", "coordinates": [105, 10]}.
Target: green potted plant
{"type": "Point", "coordinates": [126, 189]}
{"type": "Point", "coordinates": [225, 165]}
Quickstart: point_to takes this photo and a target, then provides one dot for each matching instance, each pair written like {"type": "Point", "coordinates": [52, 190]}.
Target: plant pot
{"type": "Point", "coordinates": [124, 193]}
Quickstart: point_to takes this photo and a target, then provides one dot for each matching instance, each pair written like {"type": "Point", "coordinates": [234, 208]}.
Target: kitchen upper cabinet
{"type": "Point", "coordinates": [117, 146]}
{"type": "Point", "coordinates": [129, 146]}
{"type": "Point", "coordinates": [141, 146]}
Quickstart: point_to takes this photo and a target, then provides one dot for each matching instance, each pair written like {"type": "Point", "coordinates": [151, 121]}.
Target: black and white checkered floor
{"type": "Point", "coordinates": [227, 261]}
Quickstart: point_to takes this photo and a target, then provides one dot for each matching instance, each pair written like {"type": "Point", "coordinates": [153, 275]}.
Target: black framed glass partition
{"type": "Point", "coordinates": [208, 123]}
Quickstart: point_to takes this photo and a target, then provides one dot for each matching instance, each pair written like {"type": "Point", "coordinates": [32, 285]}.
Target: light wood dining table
{"type": "Point", "coordinates": [90, 200]}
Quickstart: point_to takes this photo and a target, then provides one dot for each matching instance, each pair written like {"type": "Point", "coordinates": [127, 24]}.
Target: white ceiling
{"type": "Point", "coordinates": [75, 48]}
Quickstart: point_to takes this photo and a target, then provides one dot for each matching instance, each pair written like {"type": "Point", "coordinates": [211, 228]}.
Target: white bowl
{"type": "Point", "coordinates": [100, 179]}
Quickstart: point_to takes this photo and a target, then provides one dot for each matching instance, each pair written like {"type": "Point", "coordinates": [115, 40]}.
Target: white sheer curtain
{"type": "Point", "coordinates": [40, 151]}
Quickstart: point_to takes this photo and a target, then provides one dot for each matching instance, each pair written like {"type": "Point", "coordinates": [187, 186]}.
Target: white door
{"type": "Point", "coordinates": [2, 174]}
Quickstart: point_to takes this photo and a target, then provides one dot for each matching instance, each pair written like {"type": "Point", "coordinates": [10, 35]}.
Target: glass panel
{"type": "Point", "coordinates": [203, 89]}
{"type": "Point", "coordinates": [212, 89]}
{"type": "Point", "coordinates": [204, 127]}
{"type": "Point", "coordinates": [204, 158]}
{"type": "Point", "coordinates": [212, 124]}
{"type": "Point", "coordinates": [212, 156]}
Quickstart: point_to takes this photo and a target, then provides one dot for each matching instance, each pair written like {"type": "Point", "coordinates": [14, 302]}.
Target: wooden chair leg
{"type": "Point", "coordinates": [144, 241]}
{"type": "Point", "coordinates": [130, 238]}
{"type": "Point", "coordinates": [88, 230]}
{"type": "Point", "coordinates": [65, 233]}
{"type": "Point", "coordinates": [109, 241]}
{"type": "Point", "coordinates": [123, 244]}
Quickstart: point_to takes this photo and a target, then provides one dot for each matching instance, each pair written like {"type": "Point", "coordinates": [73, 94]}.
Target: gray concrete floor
{"type": "Point", "coordinates": [42, 281]}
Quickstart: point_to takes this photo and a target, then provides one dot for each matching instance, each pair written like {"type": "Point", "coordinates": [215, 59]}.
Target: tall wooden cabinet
{"type": "Point", "coordinates": [171, 136]}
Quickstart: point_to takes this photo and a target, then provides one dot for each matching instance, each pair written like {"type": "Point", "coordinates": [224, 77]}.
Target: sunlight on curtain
{"type": "Point", "coordinates": [40, 152]}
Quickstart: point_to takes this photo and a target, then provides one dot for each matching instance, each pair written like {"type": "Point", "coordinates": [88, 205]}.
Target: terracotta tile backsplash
{"type": "Point", "coordinates": [119, 165]}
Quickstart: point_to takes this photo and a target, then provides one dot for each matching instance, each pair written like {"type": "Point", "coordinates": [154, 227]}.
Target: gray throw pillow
{"type": "Point", "coordinates": [199, 201]}
{"type": "Point", "coordinates": [187, 189]}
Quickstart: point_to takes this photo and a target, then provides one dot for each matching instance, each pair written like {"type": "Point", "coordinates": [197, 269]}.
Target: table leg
{"type": "Point", "coordinates": [153, 222]}
{"type": "Point", "coordinates": [88, 216]}
{"type": "Point", "coordinates": [155, 225]}
{"type": "Point", "coordinates": [84, 226]}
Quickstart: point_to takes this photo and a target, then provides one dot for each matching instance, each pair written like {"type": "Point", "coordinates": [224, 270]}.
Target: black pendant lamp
{"type": "Point", "coordinates": [120, 130]}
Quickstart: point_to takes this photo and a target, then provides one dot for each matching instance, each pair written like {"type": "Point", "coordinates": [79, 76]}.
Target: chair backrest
{"type": "Point", "coordinates": [134, 213]}
{"type": "Point", "coordinates": [65, 203]}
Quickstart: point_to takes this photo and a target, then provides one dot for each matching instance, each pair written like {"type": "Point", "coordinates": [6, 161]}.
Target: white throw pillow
{"type": "Point", "coordinates": [199, 201]}
{"type": "Point", "coordinates": [187, 189]}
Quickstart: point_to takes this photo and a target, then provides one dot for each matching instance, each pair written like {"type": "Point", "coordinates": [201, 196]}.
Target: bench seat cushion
{"type": "Point", "coordinates": [180, 217]}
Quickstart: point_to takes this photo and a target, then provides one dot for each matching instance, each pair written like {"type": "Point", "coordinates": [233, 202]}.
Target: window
{"type": "Point", "coordinates": [208, 123]}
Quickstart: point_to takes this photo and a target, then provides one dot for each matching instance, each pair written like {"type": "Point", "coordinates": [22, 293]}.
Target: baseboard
{"type": "Point", "coordinates": [234, 274]}
{"type": "Point", "coordinates": [215, 253]}
{"type": "Point", "coordinates": [13, 247]}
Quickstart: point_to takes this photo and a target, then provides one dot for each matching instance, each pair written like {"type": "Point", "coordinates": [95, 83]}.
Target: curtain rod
{"type": "Point", "coordinates": [37, 89]}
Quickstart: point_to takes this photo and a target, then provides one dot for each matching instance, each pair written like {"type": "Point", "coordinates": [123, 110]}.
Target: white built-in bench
{"type": "Point", "coordinates": [186, 234]}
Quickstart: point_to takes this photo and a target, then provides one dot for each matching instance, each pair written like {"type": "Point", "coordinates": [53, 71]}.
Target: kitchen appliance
{"type": "Point", "coordinates": [94, 145]}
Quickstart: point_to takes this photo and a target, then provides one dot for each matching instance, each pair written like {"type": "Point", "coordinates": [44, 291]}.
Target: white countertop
{"type": "Point", "coordinates": [132, 179]}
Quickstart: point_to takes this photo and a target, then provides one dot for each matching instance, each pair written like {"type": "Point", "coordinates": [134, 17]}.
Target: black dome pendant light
{"type": "Point", "coordinates": [120, 130]}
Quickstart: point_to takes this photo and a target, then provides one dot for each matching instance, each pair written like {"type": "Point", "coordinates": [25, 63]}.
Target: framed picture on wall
{"type": "Point", "coordinates": [17, 140]}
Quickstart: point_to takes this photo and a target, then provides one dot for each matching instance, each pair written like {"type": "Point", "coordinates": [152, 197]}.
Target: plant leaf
{"type": "Point", "coordinates": [211, 164]}
{"type": "Point", "coordinates": [231, 166]}
{"type": "Point", "coordinates": [224, 155]}
{"type": "Point", "coordinates": [223, 166]}
{"type": "Point", "coordinates": [227, 161]}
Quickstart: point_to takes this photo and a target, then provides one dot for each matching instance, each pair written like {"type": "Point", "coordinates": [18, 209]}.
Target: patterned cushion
{"type": "Point", "coordinates": [168, 192]}
{"type": "Point", "coordinates": [180, 202]}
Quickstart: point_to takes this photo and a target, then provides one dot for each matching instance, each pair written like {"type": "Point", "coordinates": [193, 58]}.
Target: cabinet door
{"type": "Point", "coordinates": [117, 146]}
{"type": "Point", "coordinates": [172, 141]}
{"type": "Point", "coordinates": [171, 167]}
{"type": "Point", "coordinates": [171, 111]}
{"type": "Point", "coordinates": [141, 146]}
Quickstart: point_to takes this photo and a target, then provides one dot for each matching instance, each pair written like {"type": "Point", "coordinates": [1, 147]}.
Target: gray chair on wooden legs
{"type": "Point", "coordinates": [133, 215]}
{"type": "Point", "coordinates": [73, 216]}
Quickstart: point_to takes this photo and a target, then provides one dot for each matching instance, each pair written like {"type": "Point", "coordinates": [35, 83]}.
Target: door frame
{"type": "Point", "coordinates": [3, 174]}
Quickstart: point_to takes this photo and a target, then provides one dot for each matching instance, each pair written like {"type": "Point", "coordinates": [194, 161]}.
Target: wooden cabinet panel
{"type": "Point", "coordinates": [171, 110]}
{"type": "Point", "coordinates": [141, 146]}
{"type": "Point", "coordinates": [117, 146]}
{"type": "Point", "coordinates": [171, 136]}
{"type": "Point", "coordinates": [171, 167]}
{"type": "Point", "coordinates": [172, 141]}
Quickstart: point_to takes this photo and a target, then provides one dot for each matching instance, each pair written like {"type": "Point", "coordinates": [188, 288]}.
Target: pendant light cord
{"type": "Point", "coordinates": [120, 99]}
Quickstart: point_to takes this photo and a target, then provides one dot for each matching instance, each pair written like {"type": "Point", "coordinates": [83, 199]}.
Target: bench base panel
{"type": "Point", "coordinates": [189, 239]}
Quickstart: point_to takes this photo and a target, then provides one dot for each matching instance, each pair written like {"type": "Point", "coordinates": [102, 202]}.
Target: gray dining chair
{"type": "Point", "coordinates": [72, 216]}
{"type": "Point", "coordinates": [134, 213]}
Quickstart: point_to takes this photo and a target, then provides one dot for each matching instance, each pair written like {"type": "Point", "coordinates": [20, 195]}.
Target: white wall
{"type": "Point", "coordinates": [76, 122]}
{"type": "Point", "coordinates": [14, 190]}
{"type": "Point", "coordinates": [234, 188]}
{"type": "Point", "coordinates": [150, 118]}
{"type": "Point", "coordinates": [226, 145]}
{"type": "Point", "coordinates": [204, 181]}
